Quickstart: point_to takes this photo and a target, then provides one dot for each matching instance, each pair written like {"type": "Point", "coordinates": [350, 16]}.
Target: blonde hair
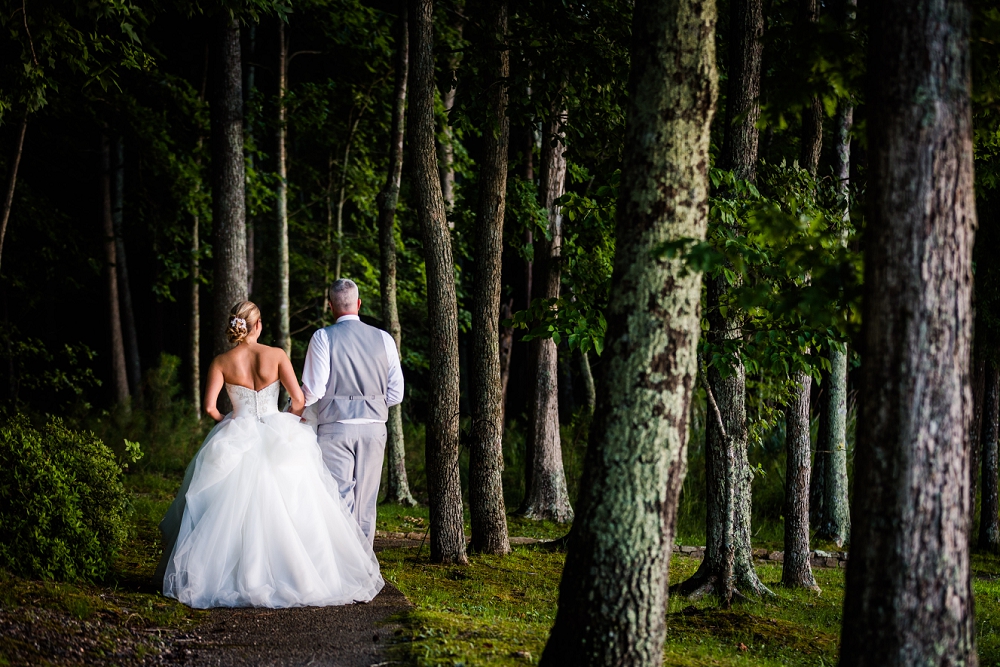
{"type": "Point", "coordinates": [243, 317]}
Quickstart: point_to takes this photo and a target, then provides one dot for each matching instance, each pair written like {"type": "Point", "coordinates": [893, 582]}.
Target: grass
{"type": "Point", "coordinates": [498, 611]}
{"type": "Point", "coordinates": [399, 519]}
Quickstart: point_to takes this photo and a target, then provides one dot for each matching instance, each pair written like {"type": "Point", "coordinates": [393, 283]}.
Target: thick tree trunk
{"type": "Point", "coordinates": [795, 570]}
{"type": "Point", "coordinates": [730, 485]}
{"type": "Point", "coordinates": [989, 516]}
{"type": "Point", "coordinates": [281, 197]}
{"type": "Point", "coordinates": [8, 201]}
{"type": "Point", "coordinates": [398, 486]}
{"type": "Point", "coordinates": [909, 599]}
{"type": "Point", "coordinates": [229, 236]}
{"type": "Point", "coordinates": [124, 290]}
{"type": "Point", "coordinates": [834, 521]}
{"type": "Point", "coordinates": [613, 592]}
{"type": "Point", "coordinates": [443, 483]}
{"type": "Point", "coordinates": [486, 502]}
{"type": "Point", "coordinates": [546, 495]}
{"type": "Point", "coordinates": [119, 372]}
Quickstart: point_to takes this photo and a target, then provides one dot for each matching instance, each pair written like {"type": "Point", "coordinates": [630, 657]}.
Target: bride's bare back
{"type": "Point", "coordinates": [254, 366]}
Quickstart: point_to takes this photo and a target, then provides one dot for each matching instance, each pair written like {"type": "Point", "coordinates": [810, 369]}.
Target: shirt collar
{"type": "Point", "coordinates": [345, 318]}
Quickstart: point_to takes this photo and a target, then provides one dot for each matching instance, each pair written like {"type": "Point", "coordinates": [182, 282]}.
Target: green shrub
{"type": "Point", "coordinates": [63, 508]}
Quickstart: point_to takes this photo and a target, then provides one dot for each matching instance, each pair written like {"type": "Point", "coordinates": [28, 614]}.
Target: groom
{"type": "Point", "coordinates": [352, 374]}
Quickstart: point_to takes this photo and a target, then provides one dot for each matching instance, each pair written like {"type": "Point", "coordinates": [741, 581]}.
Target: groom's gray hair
{"type": "Point", "coordinates": [343, 294]}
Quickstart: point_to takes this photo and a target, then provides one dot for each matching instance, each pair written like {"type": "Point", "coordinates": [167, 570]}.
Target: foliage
{"type": "Point", "coordinates": [63, 508]}
{"type": "Point", "coordinates": [162, 419]}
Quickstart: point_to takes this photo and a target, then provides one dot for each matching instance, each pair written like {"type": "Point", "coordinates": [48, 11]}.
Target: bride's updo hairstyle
{"type": "Point", "coordinates": [243, 317]}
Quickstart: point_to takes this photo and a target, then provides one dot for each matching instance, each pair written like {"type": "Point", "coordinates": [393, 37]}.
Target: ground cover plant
{"type": "Point", "coordinates": [498, 611]}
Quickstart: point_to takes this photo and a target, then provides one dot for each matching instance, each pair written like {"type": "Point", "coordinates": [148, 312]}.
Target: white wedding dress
{"type": "Point", "coordinates": [259, 520]}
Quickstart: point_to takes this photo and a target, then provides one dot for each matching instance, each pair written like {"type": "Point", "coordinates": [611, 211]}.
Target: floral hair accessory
{"type": "Point", "coordinates": [237, 320]}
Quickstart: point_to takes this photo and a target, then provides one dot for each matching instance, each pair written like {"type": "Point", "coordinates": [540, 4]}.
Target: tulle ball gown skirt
{"type": "Point", "coordinates": [259, 522]}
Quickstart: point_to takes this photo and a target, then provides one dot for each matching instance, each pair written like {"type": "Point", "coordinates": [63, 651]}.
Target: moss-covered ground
{"type": "Point", "coordinates": [498, 611]}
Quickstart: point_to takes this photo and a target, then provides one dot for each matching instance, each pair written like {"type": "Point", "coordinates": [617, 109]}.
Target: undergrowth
{"type": "Point", "coordinates": [498, 611]}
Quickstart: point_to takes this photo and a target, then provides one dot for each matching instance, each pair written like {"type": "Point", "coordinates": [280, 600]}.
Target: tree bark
{"type": "Point", "coordinates": [795, 569]}
{"type": "Point", "coordinates": [229, 238]}
{"type": "Point", "coordinates": [975, 430]}
{"type": "Point", "coordinates": [730, 485]}
{"type": "Point", "coordinates": [124, 290]}
{"type": "Point", "coordinates": [119, 372]}
{"type": "Point", "coordinates": [834, 521]}
{"type": "Point", "coordinates": [588, 382]}
{"type": "Point", "coordinates": [506, 354]}
{"type": "Point", "coordinates": [613, 592]}
{"type": "Point", "coordinates": [8, 201]}
{"type": "Point", "coordinates": [486, 502]}
{"type": "Point", "coordinates": [443, 483]}
{"type": "Point", "coordinates": [989, 516]}
{"type": "Point", "coordinates": [909, 599]}
{"type": "Point", "coordinates": [812, 115]}
{"type": "Point", "coordinates": [398, 486]}
{"type": "Point", "coordinates": [834, 517]}
{"type": "Point", "coordinates": [546, 494]}
{"type": "Point", "coordinates": [446, 147]}
{"type": "Point", "coordinates": [195, 340]}
{"type": "Point", "coordinates": [281, 196]}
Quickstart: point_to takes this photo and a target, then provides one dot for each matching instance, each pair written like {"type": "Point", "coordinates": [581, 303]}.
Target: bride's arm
{"type": "Point", "coordinates": [291, 384]}
{"type": "Point", "coordinates": [213, 386]}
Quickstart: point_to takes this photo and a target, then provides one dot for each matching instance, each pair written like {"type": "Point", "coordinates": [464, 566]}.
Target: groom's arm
{"type": "Point", "coordinates": [394, 387]}
{"type": "Point", "coordinates": [316, 371]}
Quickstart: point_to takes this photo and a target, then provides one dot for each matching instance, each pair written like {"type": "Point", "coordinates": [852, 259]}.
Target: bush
{"type": "Point", "coordinates": [63, 508]}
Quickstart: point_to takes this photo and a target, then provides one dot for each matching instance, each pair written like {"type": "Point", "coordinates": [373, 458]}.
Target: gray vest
{"type": "Point", "coordinates": [359, 374]}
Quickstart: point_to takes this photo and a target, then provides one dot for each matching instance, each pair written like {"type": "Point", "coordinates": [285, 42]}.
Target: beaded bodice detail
{"type": "Point", "coordinates": [250, 403]}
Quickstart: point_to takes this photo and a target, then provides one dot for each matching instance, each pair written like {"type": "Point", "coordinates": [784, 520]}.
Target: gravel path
{"type": "Point", "coordinates": [349, 636]}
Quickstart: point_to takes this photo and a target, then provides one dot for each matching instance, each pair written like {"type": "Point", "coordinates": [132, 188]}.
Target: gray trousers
{"type": "Point", "coordinates": [353, 453]}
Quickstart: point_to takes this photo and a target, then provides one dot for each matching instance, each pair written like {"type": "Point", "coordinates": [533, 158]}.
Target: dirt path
{"type": "Point", "coordinates": [349, 636]}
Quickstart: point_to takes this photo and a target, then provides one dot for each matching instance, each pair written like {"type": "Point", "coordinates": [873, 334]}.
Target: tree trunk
{"type": "Point", "coordinates": [834, 522]}
{"type": "Point", "coordinates": [812, 115]}
{"type": "Point", "coordinates": [443, 483]}
{"type": "Point", "coordinates": [546, 495]}
{"type": "Point", "coordinates": [730, 485]}
{"type": "Point", "coordinates": [124, 290]}
{"type": "Point", "coordinates": [281, 196]}
{"type": "Point", "coordinates": [613, 592]}
{"type": "Point", "coordinates": [446, 147]}
{"type": "Point", "coordinates": [588, 382]}
{"type": "Point", "coordinates": [398, 486]}
{"type": "Point", "coordinates": [795, 569]}
{"type": "Point", "coordinates": [195, 341]}
{"type": "Point", "coordinates": [989, 528]}
{"type": "Point", "coordinates": [834, 518]}
{"type": "Point", "coordinates": [506, 353]}
{"type": "Point", "coordinates": [975, 430]}
{"type": "Point", "coordinates": [908, 598]}
{"type": "Point", "coordinates": [8, 201]}
{"type": "Point", "coordinates": [119, 372]}
{"type": "Point", "coordinates": [486, 502]}
{"type": "Point", "coordinates": [229, 238]}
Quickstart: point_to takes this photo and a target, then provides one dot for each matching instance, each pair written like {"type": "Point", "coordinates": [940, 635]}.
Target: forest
{"type": "Point", "coordinates": [693, 301]}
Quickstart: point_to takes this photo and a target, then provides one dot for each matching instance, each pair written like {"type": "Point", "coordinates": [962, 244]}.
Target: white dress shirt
{"type": "Point", "coordinates": [316, 372]}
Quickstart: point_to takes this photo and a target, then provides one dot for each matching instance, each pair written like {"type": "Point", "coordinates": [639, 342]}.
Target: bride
{"type": "Point", "coordinates": [259, 520]}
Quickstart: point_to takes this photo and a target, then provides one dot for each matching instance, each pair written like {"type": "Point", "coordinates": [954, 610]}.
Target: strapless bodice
{"type": "Point", "coordinates": [250, 403]}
